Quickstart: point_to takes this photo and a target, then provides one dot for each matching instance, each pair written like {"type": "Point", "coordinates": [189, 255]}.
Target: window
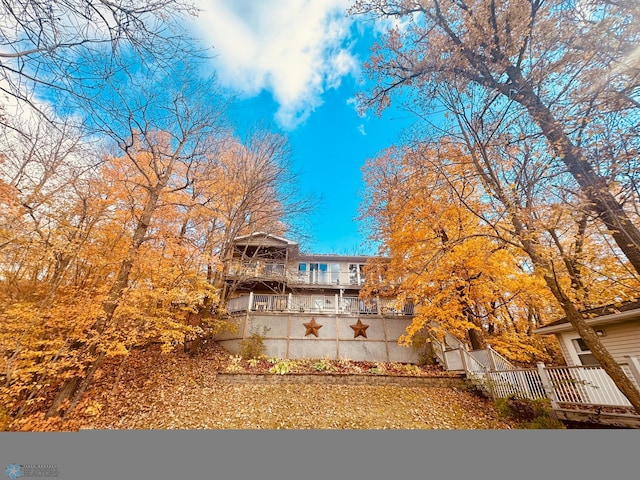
{"type": "Point", "coordinates": [335, 273]}
{"type": "Point", "coordinates": [584, 354]}
{"type": "Point", "coordinates": [318, 272]}
{"type": "Point", "coordinates": [356, 275]}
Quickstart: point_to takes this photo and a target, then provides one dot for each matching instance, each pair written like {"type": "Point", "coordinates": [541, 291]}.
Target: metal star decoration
{"type": "Point", "coordinates": [359, 329]}
{"type": "Point", "coordinates": [312, 327]}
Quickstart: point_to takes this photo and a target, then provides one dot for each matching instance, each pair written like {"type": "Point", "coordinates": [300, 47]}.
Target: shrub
{"type": "Point", "coordinates": [253, 346]}
{"type": "Point", "coordinates": [323, 365]}
{"type": "Point", "coordinates": [234, 365]}
{"type": "Point", "coordinates": [530, 414]}
{"type": "Point", "coordinates": [282, 367]}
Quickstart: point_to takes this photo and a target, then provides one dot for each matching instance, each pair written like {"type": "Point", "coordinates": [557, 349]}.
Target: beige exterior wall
{"type": "Point", "coordinates": [286, 337]}
{"type": "Point", "coordinates": [620, 339]}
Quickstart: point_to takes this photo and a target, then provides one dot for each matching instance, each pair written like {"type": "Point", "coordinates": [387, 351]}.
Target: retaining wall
{"type": "Point", "coordinates": [287, 336]}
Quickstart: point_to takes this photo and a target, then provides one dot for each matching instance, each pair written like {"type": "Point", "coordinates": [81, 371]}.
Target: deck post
{"type": "Point", "coordinates": [337, 305]}
{"type": "Point", "coordinates": [492, 360]}
{"type": "Point", "coordinates": [444, 356]}
{"type": "Point", "coordinates": [548, 386]}
{"type": "Point", "coordinates": [489, 382]}
{"type": "Point", "coordinates": [634, 367]}
{"type": "Point", "coordinates": [289, 302]}
{"type": "Point", "coordinates": [461, 352]}
{"type": "Point", "coordinates": [250, 306]}
{"type": "Point", "coordinates": [378, 311]}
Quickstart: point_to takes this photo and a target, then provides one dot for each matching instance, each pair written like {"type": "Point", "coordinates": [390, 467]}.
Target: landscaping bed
{"type": "Point", "coordinates": [264, 366]}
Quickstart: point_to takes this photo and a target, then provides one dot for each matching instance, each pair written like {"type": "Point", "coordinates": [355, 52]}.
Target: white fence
{"type": "Point", "coordinates": [579, 385]}
{"type": "Point", "coordinates": [585, 385]}
{"type": "Point", "coordinates": [524, 383]}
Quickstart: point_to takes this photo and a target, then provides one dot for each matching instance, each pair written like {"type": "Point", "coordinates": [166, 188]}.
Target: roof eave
{"type": "Point", "coordinates": [602, 320]}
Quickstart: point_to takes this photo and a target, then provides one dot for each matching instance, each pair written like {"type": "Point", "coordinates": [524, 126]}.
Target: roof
{"type": "Point", "coordinates": [330, 257]}
{"type": "Point", "coordinates": [257, 235]}
{"type": "Point", "coordinates": [612, 313]}
{"type": "Point", "coordinates": [257, 238]}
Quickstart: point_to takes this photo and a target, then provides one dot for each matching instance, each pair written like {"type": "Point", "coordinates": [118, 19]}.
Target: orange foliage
{"type": "Point", "coordinates": [63, 255]}
{"type": "Point", "coordinates": [427, 211]}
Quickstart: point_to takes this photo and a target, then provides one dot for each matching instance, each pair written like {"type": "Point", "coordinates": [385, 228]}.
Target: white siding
{"type": "Point", "coordinates": [620, 339]}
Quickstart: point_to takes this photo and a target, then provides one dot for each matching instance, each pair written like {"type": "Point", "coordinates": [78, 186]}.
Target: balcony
{"type": "Point", "coordinates": [330, 304]}
{"type": "Point", "coordinates": [258, 269]}
{"type": "Point", "coordinates": [278, 271]}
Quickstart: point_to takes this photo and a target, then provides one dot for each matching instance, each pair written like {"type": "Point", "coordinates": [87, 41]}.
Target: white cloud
{"type": "Point", "coordinates": [294, 49]}
{"type": "Point", "coordinates": [361, 129]}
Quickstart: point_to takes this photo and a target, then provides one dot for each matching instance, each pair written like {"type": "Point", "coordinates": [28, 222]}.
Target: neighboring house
{"type": "Point", "coordinates": [617, 326]}
{"type": "Point", "coordinates": [309, 304]}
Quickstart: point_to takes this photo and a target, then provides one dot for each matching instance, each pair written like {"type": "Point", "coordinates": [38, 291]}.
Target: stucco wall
{"type": "Point", "coordinates": [286, 336]}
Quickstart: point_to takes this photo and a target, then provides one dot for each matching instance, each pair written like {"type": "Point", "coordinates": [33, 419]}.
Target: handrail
{"type": "Point", "coordinates": [498, 362]}
{"type": "Point", "coordinates": [439, 350]}
{"type": "Point", "coordinates": [472, 366]}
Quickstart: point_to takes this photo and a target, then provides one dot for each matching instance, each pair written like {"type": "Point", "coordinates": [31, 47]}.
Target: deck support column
{"type": "Point", "coordinates": [250, 306]}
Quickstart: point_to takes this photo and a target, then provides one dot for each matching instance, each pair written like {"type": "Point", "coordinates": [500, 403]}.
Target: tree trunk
{"type": "Point", "coordinates": [68, 391]}
{"type": "Point", "coordinates": [475, 337]}
{"type": "Point", "coordinates": [592, 185]}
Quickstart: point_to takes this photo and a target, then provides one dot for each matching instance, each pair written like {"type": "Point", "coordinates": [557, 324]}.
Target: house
{"type": "Point", "coordinates": [309, 305]}
{"type": "Point", "coordinates": [584, 382]}
{"type": "Point", "coordinates": [617, 326]}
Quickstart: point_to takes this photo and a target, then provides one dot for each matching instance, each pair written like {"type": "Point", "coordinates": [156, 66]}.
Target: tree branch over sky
{"type": "Point", "coordinates": [53, 47]}
{"type": "Point", "coordinates": [544, 96]}
{"type": "Point", "coordinates": [572, 67]}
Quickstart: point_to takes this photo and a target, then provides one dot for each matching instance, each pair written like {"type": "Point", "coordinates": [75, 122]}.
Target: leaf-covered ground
{"type": "Point", "coordinates": [154, 391]}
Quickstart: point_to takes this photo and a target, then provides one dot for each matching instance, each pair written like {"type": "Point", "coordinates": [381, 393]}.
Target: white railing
{"type": "Point", "coordinates": [316, 304]}
{"type": "Point", "coordinates": [390, 306]}
{"type": "Point", "coordinates": [472, 367]}
{"type": "Point", "coordinates": [240, 304]}
{"type": "Point", "coordinates": [438, 350]}
{"type": "Point", "coordinates": [270, 303]}
{"type": "Point", "coordinates": [452, 342]}
{"type": "Point", "coordinates": [522, 383]}
{"type": "Point", "coordinates": [497, 361]}
{"type": "Point", "coordinates": [585, 385]}
{"type": "Point", "coordinates": [265, 269]}
{"type": "Point", "coordinates": [257, 269]}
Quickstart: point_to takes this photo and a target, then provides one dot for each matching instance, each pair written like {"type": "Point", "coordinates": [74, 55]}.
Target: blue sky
{"type": "Point", "coordinates": [297, 65]}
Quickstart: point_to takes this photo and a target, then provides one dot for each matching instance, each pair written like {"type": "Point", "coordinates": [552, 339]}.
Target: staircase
{"type": "Point", "coordinates": [453, 354]}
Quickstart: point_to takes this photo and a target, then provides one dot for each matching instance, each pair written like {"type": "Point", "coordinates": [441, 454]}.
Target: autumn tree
{"type": "Point", "coordinates": [541, 208]}
{"type": "Point", "coordinates": [571, 67]}
{"type": "Point", "coordinates": [427, 212]}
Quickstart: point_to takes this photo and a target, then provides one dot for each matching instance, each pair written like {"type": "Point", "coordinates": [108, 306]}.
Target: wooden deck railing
{"type": "Point", "coordinates": [318, 304]}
